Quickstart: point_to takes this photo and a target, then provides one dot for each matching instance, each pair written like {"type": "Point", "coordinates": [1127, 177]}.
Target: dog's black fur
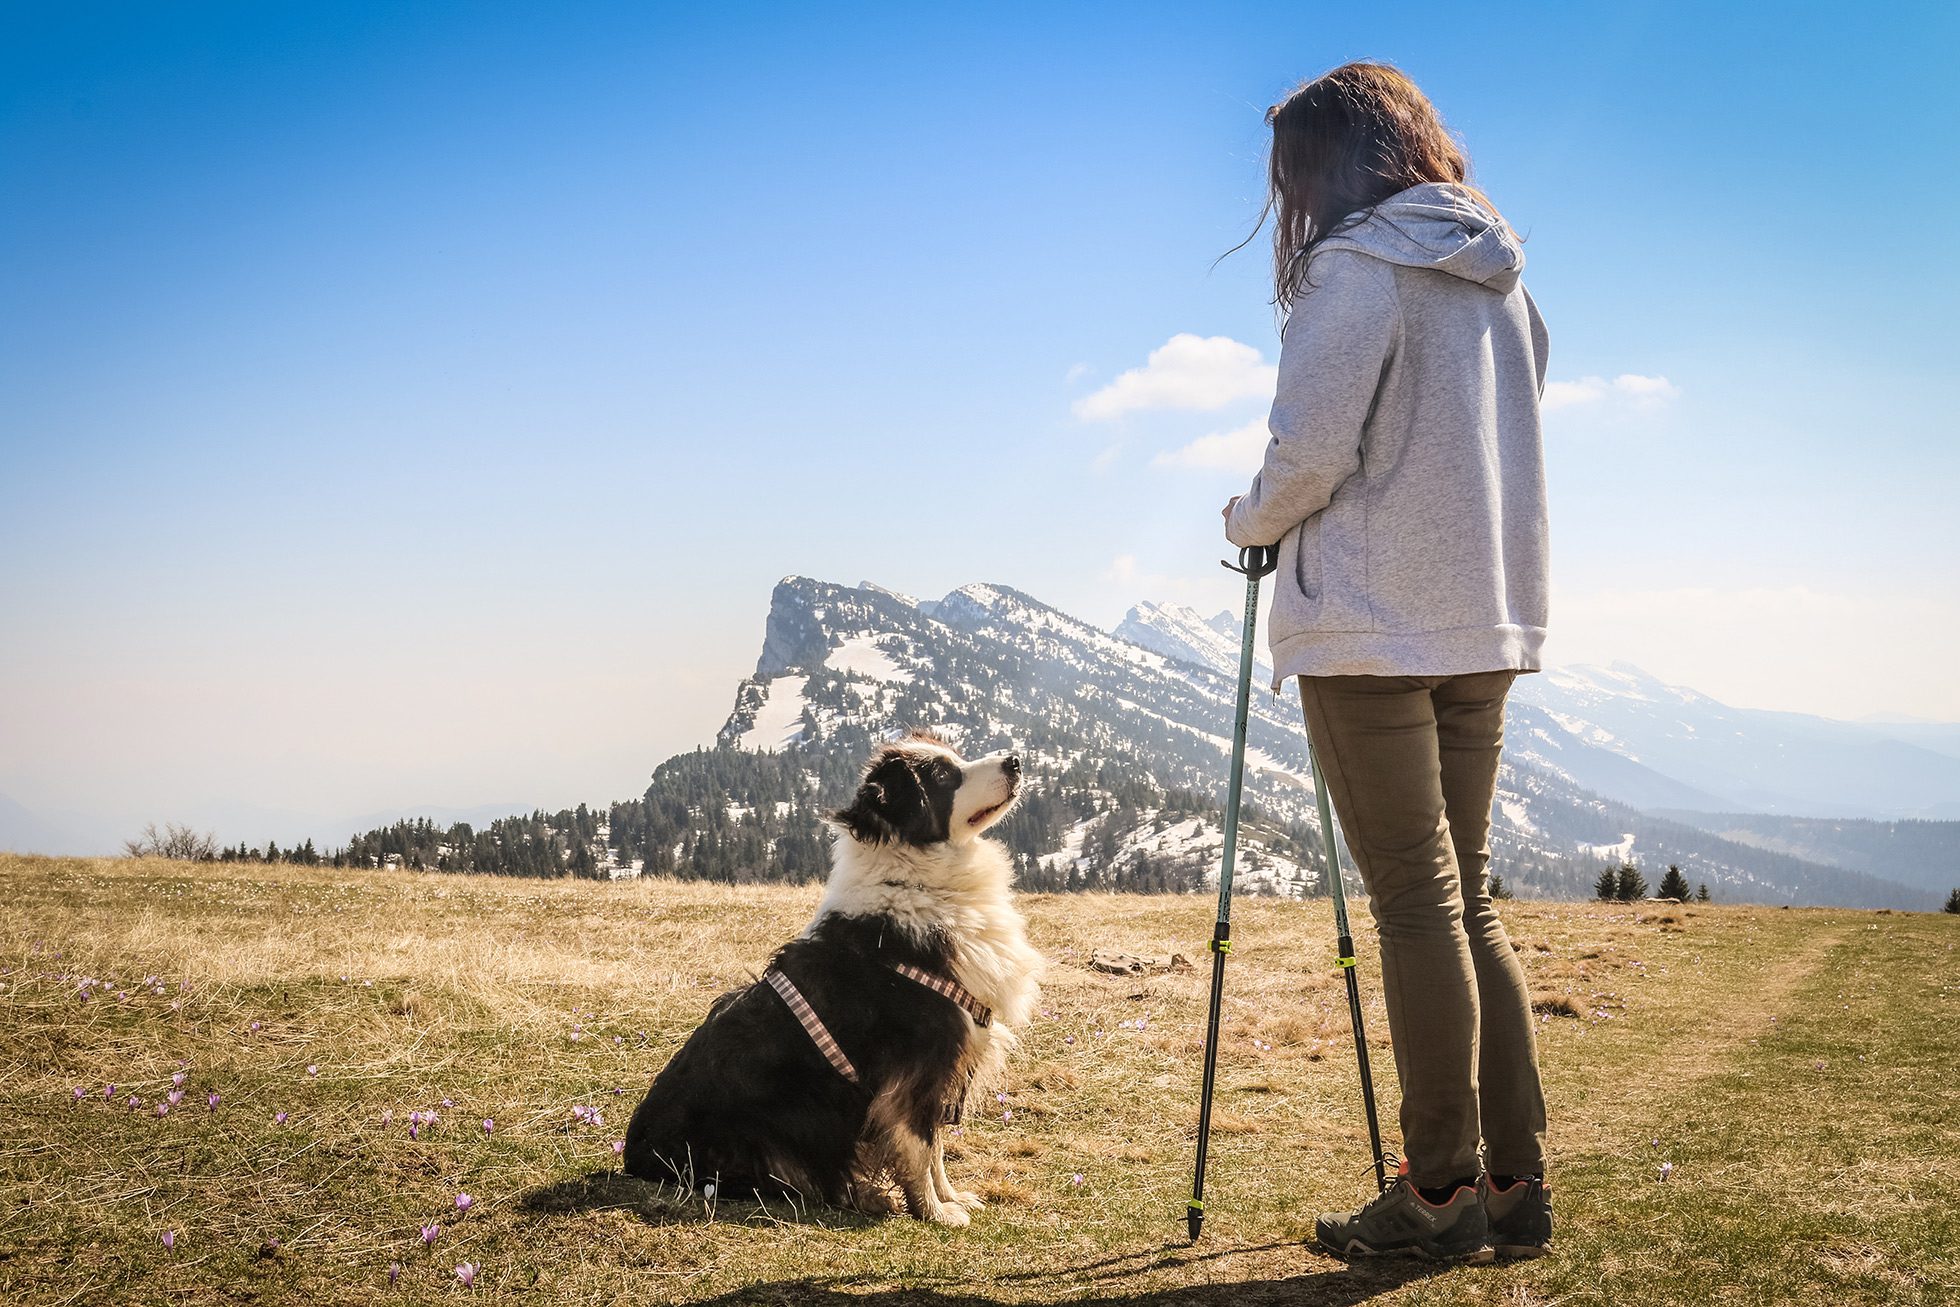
{"type": "Point", "coordinates": [750, 1105]}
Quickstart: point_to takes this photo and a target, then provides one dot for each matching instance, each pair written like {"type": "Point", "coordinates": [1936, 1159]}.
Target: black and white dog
{"type": "Point", "coordinates": [835, 1072]}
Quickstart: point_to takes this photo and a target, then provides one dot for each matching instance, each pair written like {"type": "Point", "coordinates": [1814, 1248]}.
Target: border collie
{"type": "Point", "coordinates": [832, 1075]}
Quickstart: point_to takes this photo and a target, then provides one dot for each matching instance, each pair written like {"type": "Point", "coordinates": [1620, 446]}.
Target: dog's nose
{"type": "Point", "coordinates": [1011, 764]}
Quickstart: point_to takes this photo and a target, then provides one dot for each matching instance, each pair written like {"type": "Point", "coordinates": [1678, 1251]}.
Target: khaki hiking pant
{"type": "Point", "coordinates": [1411, 768]}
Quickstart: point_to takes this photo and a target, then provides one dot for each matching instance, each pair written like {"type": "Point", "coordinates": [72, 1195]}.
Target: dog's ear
{"type": "Point", "coordinates": [865, 818]}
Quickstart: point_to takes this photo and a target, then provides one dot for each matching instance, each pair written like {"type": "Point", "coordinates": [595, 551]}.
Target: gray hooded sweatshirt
{"type": "Point", "coordinates": [1405, 480]}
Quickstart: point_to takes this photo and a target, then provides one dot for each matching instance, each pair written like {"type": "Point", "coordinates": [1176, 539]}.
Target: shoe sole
{"type": "Point", "coordinates": [1515, 1250]}
{"type": "Point", "coordinates": [1480, 1256]}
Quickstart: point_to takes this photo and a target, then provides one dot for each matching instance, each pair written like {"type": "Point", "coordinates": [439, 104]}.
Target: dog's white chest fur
{"type": "Point", "coordinates": [959, 889]}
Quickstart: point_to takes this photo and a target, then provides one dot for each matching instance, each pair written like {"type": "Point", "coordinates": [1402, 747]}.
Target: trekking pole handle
{"type": "Point", "coordinates": [1254, 560]}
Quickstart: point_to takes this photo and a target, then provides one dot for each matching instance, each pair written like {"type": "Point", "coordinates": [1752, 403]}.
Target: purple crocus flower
{"type": "Point", "coordinates": [163, 1109]}
{"type": "Point", "coordinates": [467, 1274]}
{"type": "Point", "coordinates": [170, 1239]}
{"type": "Point", "coordinates": [211, 1103]}
{"type": "Point", "coordinates": [1667, 1169]}
{"type": "Point", "coordinates": [429, 1232]}
{"type": "Point", "coordinates": [312, 1070]}
{"type": "Point", "coordinates": [394, 1272]}
{"type": "Point", "coordinates": [79, 1091]}
{"type": "Point", "coordinates": [619, 1148]}
{"type": "Point", "coordinates": [463, 1202]}
{"type": "Point", "coordinates": [1076, 1179]}
{"type": "Point", "coordinates": [176, 1097]}
{"type": "Point", "coordinates": [134, 1102]}
{"type": "Point", "coordinates": [108, 1092]}
{"type": "Point", "coordinates": [278, 1118]}
{"type": "Point", "coordinates": [488, 1126]}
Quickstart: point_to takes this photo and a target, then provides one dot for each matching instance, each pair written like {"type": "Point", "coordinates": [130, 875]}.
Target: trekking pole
{"type": "Point", "coordinates": [1346, 963]}
{"type": "Point", "coordinates": [1255, 561]}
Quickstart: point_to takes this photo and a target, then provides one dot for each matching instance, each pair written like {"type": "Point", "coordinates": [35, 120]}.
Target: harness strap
{"type": "Point", "coordinates": [813, 1025]}
{"type": "Point", "coordinates": [948, 987]}
{"type": "Point", "coordinates": [826, 1044]}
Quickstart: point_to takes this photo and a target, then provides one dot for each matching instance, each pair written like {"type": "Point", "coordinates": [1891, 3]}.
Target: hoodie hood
{"type": "Point", "coordinates": [1438, 225]}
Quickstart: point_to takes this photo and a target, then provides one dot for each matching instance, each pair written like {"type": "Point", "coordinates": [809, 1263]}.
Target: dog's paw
{"type": "Point", "coordinates": [969, 1200]}
{"type": "Point", "coordinates": [949, 1214]}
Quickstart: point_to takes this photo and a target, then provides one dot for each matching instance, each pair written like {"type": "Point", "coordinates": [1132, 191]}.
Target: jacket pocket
{"type": "Point", "coordinates": [1307, 560]}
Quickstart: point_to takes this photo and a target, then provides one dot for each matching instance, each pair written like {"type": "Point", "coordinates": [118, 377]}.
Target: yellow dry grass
{"type": "Point", "coordinates": [1794, 1066]}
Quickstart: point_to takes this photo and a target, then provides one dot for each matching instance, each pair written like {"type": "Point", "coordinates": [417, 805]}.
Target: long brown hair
{"type": "Point", "coordinates": [1343, 143]}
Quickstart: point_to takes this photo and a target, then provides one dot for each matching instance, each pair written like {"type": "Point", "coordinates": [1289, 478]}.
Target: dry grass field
{"type": "Point", "coordinates": [1793, 1073]}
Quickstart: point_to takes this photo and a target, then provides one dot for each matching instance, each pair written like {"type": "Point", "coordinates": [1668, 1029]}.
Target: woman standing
{"type": "Point", "coordinates": [1404, 485]}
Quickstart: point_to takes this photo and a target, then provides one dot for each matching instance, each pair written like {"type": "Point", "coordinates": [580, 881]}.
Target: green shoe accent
{"type": "Point", "coordinates": [1520, 1218]}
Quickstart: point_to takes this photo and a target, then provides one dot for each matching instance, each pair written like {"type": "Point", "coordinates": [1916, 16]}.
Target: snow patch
{"type": "Point", "coordinates": [861, 654]}
{"type": "Point", "coordinates": [779, 721]}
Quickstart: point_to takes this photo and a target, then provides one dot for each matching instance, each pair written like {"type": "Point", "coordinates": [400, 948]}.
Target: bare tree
{"type": "Point", "coordinates": [173, 841]}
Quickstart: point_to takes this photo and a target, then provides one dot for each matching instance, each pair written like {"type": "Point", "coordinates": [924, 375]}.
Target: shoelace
{"type": "Point", "coordinates": [1392, 1165]}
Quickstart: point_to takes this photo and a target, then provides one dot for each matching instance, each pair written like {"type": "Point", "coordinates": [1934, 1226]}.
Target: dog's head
{"type": "Point", "coordinates": [919, 791]}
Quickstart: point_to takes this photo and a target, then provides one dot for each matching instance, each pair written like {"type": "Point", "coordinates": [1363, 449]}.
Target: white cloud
{"type": "Point", "coordinates": [1627, 391]}
{"type": "Point", "coordinates": [1122, 569]}
{"type": "Point", "coordinates": [1239, 450]}
{"type": "Point", "coordinates": [1128, 577]}
{"type": "Point", "coordinates": [1076, 372]}
{"type": "Point", "coordinates": [1186, 372]}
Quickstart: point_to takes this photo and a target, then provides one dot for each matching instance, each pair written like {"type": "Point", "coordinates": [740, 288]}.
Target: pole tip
{"type": "Point", "coordinates": [1194, 1223]}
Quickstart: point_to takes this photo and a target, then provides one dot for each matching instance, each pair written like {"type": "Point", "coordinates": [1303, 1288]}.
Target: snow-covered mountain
{"type": "Point", "coordinates": [1638, 736]}
{"type": "Point", "coordinates": [1179, 632]}
{"type": "Point", "coordinates": [1127, 734]}
{"type": "Point", "coordinates": [1125, 741]}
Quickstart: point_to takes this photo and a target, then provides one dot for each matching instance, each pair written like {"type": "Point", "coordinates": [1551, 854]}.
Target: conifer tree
{"type": "Point", "coordinates": [1632, 885]}
{"type": "Point", "coordinates": [1607, 887]}
{"type": "Point", "coordinates": [1953, 902]}
{"type": "Point", "coordinates": [1674, 885]}
{"type": "Point", "coordinates": [1701, 894]}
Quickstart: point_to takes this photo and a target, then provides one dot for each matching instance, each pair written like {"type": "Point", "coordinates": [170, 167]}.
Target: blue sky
{"type": "Point", "coordinates": [415, 404]}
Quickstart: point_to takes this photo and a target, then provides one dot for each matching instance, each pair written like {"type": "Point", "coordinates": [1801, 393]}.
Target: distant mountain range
{"type": "Point", "coordinates": [1126, 735]}
{"type": "Point", "coordinates": [1151, 702]}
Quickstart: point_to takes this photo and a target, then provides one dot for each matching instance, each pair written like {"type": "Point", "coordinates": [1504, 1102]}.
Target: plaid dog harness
{"type": "Point", "coordinates": [826, 1043]}
{"type": "Point", "coordinates": [800, 1008]}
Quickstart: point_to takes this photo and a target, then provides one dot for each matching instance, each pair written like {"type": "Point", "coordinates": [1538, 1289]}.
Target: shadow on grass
{"type": "Point", "coordinates": [1338, 1285]}
{"type": "Point", "coordinates": [664, 1204]}
{"type": "Point", "coordinates": [1328, 1283]}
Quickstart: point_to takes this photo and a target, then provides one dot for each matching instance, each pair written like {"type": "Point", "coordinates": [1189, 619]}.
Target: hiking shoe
{"type": "Point", "coordinates": [1520, 1217]}
{"type": "Point", "coordinates": [1401, 1222]}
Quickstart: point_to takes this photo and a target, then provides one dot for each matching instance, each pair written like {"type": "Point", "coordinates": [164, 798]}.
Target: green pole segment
{"type": "Point", "coordinates": [1254, 562]}
{"type": "Point", "coordinates": [1345, 961]}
